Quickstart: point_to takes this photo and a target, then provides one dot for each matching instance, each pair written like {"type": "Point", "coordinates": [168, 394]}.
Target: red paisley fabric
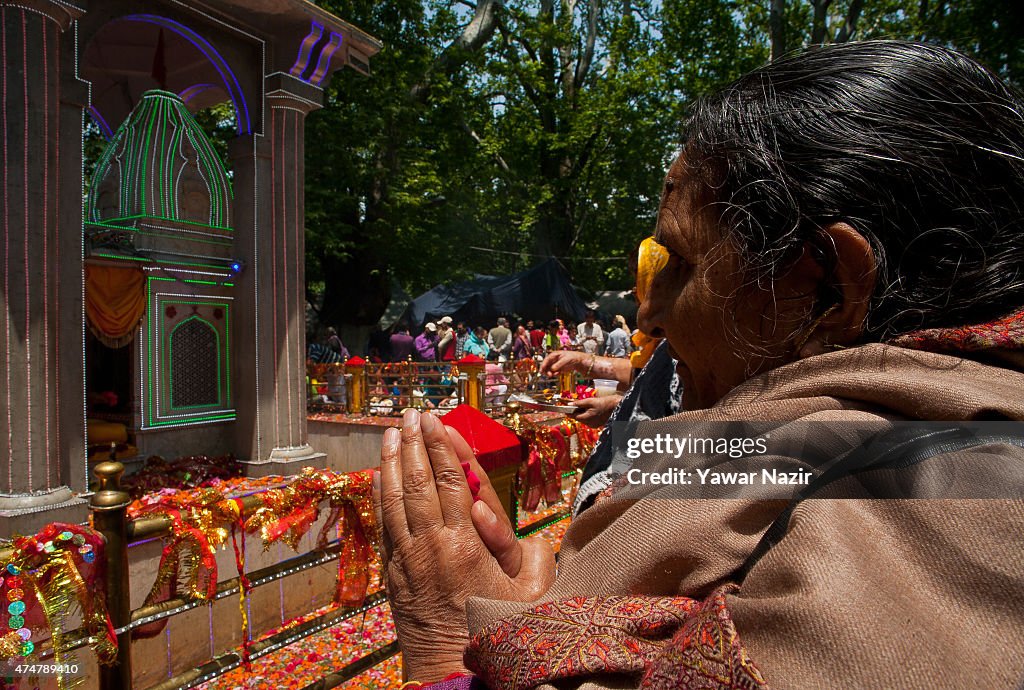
{"type": "Point", "coordinates": [671, 642]}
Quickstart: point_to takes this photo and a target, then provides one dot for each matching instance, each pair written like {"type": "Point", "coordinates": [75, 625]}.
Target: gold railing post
{"type": "Point", "coordinates": [357, 399]}
{"type": "Point", "coordinates": [109, 507]}
{"type": "Point", "coordinates": [410, 382]}
{"type": "Point", "coordinates": [474, 386]}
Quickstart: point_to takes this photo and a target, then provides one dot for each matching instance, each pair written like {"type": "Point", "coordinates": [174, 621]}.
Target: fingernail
{"type": "Point", "coordinates": [411, 418]}
{"type": "Point", "coordinates": [428, 422]}
{"type": "Point", "coordinates": [485, 512]}
{"type": "Point", "coordinates": [392, 437]}
{"type": "Point", "coordinates": [376, 482]}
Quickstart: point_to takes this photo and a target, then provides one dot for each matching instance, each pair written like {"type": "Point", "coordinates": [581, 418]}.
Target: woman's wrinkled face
{"type": "Point", "coordinates": [722, 330]}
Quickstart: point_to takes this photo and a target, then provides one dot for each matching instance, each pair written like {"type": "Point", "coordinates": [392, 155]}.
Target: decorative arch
{"type": "Point", "coordinates": [230, 81]}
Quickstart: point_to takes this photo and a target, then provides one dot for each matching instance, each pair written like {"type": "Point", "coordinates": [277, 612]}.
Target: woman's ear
{"type": "Point", "coordinates": [852, 280]}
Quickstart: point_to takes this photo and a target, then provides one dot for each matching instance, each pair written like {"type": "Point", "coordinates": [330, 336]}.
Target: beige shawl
{"type": "Point", "coordinates": [859, 593]}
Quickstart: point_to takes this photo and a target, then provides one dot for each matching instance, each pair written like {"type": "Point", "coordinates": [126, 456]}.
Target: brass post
{"type": "Point", "coordinates": [410, 383]}
{"type": "Point", "coordinates": [474, 388]}
{"type": "Point", "coordinates": [356, 369]}
{"type": "Point", "coordinates": [109, 506]}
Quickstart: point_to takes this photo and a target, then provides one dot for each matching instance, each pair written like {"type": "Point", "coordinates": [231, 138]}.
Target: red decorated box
{"type": "Point", "coordinates": [494, 444]}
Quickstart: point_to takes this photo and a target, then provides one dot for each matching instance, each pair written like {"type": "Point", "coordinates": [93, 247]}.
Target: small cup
{"type": "Point", "coordinates": [605, 387]}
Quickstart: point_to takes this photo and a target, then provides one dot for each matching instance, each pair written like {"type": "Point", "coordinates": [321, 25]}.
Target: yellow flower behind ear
{"type": "Point", "coordinates": [650, 260]}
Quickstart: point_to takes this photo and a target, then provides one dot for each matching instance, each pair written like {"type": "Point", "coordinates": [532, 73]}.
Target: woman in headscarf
{"type": "Point", "coordinates": [565, 337]}
{"type": "Point", "coordinates": [476, 343]}
{"type": "Point", "coordinates": [552, 342]}
{"type": "Point", "coordinates": [845, 255]}
{"type": "Point", "coordinates": [521, 348]}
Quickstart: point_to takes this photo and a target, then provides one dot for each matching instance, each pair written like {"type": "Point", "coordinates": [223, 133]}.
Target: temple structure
{"type": "Point", "coordinates": [163, 297]}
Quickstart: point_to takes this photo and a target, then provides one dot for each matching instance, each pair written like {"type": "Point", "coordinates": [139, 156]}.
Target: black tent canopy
{"type": "Point", "coordinates": [539, 293]}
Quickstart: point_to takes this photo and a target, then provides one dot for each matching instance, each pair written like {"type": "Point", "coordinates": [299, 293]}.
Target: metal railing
{"type": "Point", "coordinates": [385, 388]}
{"type": "Point", "coordinates": [109, 506]}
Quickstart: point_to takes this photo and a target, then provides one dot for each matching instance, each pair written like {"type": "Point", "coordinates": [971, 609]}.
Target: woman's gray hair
{"type": "Point", "coordinates": [916, 146]}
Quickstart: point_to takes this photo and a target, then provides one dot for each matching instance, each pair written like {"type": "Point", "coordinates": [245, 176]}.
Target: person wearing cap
{"type": "Point", "coordinates": [426, 343]}
{"type": "Point", "coordinates": [445, 340]}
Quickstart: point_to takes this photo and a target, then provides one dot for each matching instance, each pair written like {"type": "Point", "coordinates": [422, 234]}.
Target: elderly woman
{"type": "Point", "coordinates": [846, 247]}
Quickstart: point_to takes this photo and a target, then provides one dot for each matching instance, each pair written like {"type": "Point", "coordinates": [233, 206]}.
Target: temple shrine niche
{"type": "Point", "coordinates": [158, 211]}
{"type": "Point", "coordinates": [167, 307]}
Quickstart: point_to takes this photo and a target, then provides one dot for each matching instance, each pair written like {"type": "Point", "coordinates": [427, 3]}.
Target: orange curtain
{"type": "Point", "coordinates": [115, 300]}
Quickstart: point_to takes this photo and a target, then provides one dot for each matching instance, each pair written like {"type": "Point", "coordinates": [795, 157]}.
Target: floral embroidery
{"type": "Point", "coordinates": [668, 637]}
{"type": "Point", "coordinates": [705, 654]}
{"type": "Point", "coordinates": [1007, 332]}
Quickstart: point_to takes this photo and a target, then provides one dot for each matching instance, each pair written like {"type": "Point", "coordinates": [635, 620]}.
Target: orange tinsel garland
{"type": "Point", "coordinates": [286, 514]}
{"type": "Point", "coordinates": [550, 454]}
{"type": "Point", "coordinates": [202, 519]}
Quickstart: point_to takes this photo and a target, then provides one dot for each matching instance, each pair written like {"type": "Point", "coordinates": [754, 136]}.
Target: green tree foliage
{"type": "Point", "coordinates": [543, 127]}
{"type": "Point", "coordinates": [392, 174]}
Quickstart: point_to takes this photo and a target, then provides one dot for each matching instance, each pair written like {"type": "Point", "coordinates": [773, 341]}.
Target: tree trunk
{"type": "Point", "coordinates": [777, 28]}
{"type": "Point", "coordinates": [850, 23]}
{"type": "Point", "coordinates": [819, 23]}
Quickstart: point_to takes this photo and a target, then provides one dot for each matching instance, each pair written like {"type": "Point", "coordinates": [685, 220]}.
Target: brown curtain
{"type": "Point", "coordinates": [115, 301]}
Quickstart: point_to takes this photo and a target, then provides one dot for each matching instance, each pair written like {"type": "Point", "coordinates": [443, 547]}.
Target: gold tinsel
{"type": "Point", "coordinates": [50, 575]}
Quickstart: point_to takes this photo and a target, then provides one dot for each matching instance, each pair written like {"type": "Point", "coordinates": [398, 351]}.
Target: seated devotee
{"type": "Point", "coordinates": [496, 383]}
{"type": "Point", "coordinates": [845, 248]}
{"type": "Point", "coordinates": [334, 342]}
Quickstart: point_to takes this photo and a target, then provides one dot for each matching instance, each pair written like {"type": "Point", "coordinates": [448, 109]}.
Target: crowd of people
{"type": "Point", "coordinates": [446, 341]}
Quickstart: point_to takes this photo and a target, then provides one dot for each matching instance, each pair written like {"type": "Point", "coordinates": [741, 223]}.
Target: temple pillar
{"type": "Point", "coordinates": [42, 455]}
{"type": "Point", "coordinates": [254, 380]}
{"type": "Point", "coordinates": [271, 409]}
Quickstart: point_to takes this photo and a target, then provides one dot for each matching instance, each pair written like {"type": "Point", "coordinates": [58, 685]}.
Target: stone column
{"type": "Point", "coordinates": [254, 387]}
{"type": "Point", "coordinates": [273, 425]}
{"type": "Point", "coordinates": [41, 387]}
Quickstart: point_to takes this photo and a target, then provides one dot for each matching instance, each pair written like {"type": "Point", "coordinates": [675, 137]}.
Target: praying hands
{"type": "Point", "coordinates": [440, 547]}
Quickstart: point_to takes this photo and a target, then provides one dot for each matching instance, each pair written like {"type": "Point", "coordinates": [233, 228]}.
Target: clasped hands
{"type": "Point", "coordinates": [440, 547]}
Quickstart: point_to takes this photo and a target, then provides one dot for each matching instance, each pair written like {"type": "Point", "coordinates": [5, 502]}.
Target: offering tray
{"type": "Point", "coordinates": [532, 404]}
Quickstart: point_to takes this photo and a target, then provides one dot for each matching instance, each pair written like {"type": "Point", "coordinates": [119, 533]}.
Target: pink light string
{"type": "Point", "coordinates": [28, 293]}
{"type": "Point", "coordinates": [7, 255]}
